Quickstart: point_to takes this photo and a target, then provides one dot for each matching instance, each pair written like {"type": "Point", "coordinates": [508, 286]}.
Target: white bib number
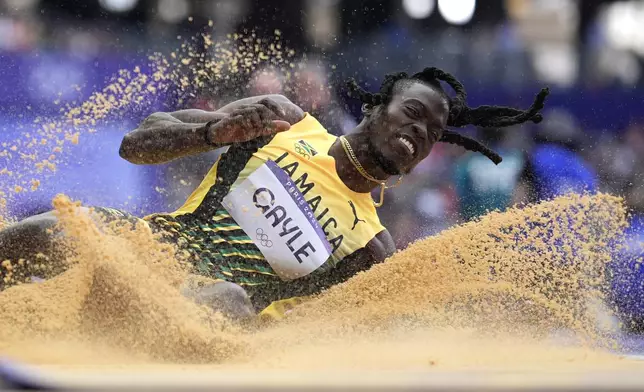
{"type": "Point", "coordinates": [273, 213]}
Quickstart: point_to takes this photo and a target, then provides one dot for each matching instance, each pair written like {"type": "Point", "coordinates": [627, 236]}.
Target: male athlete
{"type": "Point", "coordinates": [287, 211]}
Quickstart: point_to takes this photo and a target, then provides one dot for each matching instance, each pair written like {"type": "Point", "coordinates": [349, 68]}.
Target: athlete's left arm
{"type": "Point", "coordinates": [290, 112]}
{"type": "Point", "coordinates": [281, 106]}
{"type": "Point", "coordinates": [377, 250]}
{"type": "Point", "coordinates": [163, 137]}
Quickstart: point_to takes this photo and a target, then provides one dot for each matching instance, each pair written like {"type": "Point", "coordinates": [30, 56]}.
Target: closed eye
{"type": "Point", "coordinates": [413, 112]}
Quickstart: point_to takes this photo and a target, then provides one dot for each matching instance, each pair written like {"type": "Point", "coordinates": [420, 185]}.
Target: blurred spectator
{"type": "Point", "coordinates": [426, 204]}
{"type": "Point", "coordinates": [311, 90]}
{"type": "Point", "coordinates": [19, 33]}
{"type": "Point", "coordinates": [265, 81]}
{"type": "Point", "coordinates": [634, 146]}
{"type": "Point", "coordinates": [614, 162]}
{"type": "Point", "coordinates": [554, 166]}
{"type": "Point", "coordinates": [482, 186]}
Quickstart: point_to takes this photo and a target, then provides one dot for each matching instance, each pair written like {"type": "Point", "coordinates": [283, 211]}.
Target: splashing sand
{"type": "Point", "coordinates": [482, 295]}
{"type": "Point", "coordinates": [198, 66]}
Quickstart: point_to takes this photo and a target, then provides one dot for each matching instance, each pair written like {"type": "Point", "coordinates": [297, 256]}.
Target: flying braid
{"type": "Point", "coordinates": [460, 114]}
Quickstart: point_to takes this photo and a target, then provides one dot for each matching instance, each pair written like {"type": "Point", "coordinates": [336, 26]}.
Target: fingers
{"type": "Point", "coordinates": [267, 109]}
{"type": "Point", "coordinates": [280, 126]}
{"type": "Point", "coordinates": [236, 123]}
{"type": "Point", "coordinates": [275, 126]}
{"type": "Point", "coordinates": [248, 117]}
{"type": "Point", "coordinates": [250, 121]}
{"type": "Point", "coordinates": [264, 113]}
{"type": "Point", "coordinates": [241, 128]}
{"type": "Point", "coordinates": [273, 107]}
{"type": "Point", "coordinates": [256, 112]}
{"type": "Point", "coordinates": [258, 116]}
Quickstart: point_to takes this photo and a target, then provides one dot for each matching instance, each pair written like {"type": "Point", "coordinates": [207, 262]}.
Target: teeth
{"type": "Point", "coordinates": [408, 144]}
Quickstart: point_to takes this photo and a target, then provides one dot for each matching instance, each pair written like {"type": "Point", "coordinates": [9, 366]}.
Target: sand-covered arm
{"type": "Point", "coordinates": [286, 110]}
{"type": "Point", "coordinates": [163, 137]}
{"type": "Point", "coordinates": [376, 251]}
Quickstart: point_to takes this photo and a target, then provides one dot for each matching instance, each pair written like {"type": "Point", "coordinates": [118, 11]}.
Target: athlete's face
{"type": "Point", "coordinates": [403, 133]}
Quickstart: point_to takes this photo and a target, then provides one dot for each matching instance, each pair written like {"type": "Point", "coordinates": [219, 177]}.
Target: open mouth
{"type": "Point", "coordinates": [408, 144]}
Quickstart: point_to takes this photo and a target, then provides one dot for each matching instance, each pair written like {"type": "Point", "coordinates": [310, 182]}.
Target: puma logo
{"type": "Point", "coordinates": [356, 220]}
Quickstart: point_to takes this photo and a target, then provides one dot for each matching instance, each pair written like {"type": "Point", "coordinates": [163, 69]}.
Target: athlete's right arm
{"type": "Point", "coordinates": [377, 250]}
{"type": "Point", "coordinates": [163, 137]}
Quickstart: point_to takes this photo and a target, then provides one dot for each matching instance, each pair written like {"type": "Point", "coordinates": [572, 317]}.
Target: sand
{"type": "Point", "coordinates": [197, 66]}
{"type": "Point", "coordinates": [434, 306]}
{"type": "Point", "coordinates": [516, 291]}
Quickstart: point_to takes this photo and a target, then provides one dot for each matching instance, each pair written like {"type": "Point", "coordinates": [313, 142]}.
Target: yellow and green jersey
{"type": "Point", "coordinates": [221, 249]}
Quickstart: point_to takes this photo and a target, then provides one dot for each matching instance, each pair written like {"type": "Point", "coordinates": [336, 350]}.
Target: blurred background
{"type": "Point", "coordinates": [590, 53]}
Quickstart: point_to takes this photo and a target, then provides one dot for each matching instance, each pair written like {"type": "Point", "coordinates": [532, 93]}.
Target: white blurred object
{"type": "Point", "coordinates": [118, 5]}
{"type": "Point", "coordinates": [84, 44]}
{"type": "Point", "coordinates": [548, 30]}
{"type": "Point", "coordinates": [6, 30]}
{"type": "Point", "coordinates": [556, 63]}
{"type": "Point", "coordinates": [224, 13]}
{"type": "Point", "coordinates": [266, 81]}
{"type": "Point", "coordinates": [20, 5]}
{"type": "Point", "coordinates": [322, 19]}
{"type": "Point", "coordinates": [603, 315]}
{"type": "Point", "coordinates": [173, 11]}
{"type": "Point", "coordinates": [620, 64]}
{"type": "Point", "coordinates": [53, 79]}
{"type": "Point", "coordinates": [488, 177]}
{"type": "Point", "coordinates": [545, 21]}
{"type": "Point", "coordinates": [419, 9]}
{"type": "Point", "coordinates": [14, 33]}
{"type": "Point", "coordinates": [621, 22]}
{"type": "Point", "coordinates": [457, 12]}
{"type": "Point", "coordinates": [432, 203]}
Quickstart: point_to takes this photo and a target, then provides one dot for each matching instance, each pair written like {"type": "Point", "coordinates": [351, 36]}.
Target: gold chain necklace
{"type": "Point", "coordinates": [354, 161]}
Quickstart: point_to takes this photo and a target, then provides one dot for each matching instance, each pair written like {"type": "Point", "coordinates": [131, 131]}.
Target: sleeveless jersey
{"type": "Point", "coordinates": [220, 247]}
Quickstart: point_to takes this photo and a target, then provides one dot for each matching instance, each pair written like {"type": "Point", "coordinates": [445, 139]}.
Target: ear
{"type": "Point", "coordinates": [367, 109]}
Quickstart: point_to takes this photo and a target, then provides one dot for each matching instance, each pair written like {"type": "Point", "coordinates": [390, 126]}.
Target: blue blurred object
{"type": "Point", "coordinates": [556, 166]}
{"type": "Point", "coordinates": [558, 170]}
{"type": "Point", "coordinates": [18, 376]}
{"type": "Point", "coordinates": [627, 281]}
{"type": "Point", "coordinates": [32, 83]}
{"type": "Point", "coordinates": [91, 172]}
{"type": "Point", "coordinates": [38, 85]}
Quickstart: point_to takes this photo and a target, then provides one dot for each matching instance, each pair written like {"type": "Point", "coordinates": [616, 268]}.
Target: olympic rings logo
{"type": "Point", "coordinates": [300, 150]}
{"type": "Point", "coordinates": [263, 238]}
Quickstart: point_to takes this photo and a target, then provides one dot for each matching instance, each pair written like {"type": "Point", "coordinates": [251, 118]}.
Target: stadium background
{"type": "Point", "coordinates": [589, 52]}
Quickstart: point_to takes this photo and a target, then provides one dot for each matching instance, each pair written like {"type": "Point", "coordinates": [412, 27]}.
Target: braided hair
{"type": "Point", "coordinates": [459, 113]}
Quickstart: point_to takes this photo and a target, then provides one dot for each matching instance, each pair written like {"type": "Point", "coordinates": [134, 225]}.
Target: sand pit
{"type": "Point", "coordinates": [494, 294]}
{"type": "Point", "coordinates": [507, 300]}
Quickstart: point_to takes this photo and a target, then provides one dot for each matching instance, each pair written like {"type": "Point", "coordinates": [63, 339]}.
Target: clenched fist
{"type": "Point", "coordinates": [247, 123]}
